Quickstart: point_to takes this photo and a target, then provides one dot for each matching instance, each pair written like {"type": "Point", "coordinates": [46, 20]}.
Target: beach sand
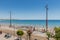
{"type": "Point", "coordinates": [12, 30]}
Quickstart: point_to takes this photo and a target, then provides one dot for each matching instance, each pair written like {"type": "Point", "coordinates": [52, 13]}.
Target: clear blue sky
{"type": "Point", "coordinates": [29, 9]}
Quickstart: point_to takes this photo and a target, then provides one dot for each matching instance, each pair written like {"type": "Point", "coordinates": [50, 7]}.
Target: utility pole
{"type": "Point", "coordinates": [46, 16]}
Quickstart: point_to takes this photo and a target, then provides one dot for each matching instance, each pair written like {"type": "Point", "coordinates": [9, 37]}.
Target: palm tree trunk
{"type": "Point", "coordinates": [29, 38]}
{"type": "Point", "coordinates": [20, 38]}
{"type": "Point", "coordinates": [57, 38]}
{"type": "Point", "coordinates": [48, 38]}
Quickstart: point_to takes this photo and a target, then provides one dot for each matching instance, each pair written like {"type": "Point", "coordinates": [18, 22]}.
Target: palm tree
{"type": "Point", "coordinates": [29, 32]}
{"type": "Point", "coordinates": [20, 34]}
{"type": "Point", "coordinates": [48, 34]}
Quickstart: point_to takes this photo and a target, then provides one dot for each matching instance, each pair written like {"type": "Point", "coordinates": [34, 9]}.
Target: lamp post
{"type": "Point", "coordinates": [46, 15]}
{"type": "Point", "coordinates": [10, 19]}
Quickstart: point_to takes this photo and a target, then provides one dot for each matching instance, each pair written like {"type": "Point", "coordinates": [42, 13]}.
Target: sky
{"type": "Point", "coordinates": [29, 9]}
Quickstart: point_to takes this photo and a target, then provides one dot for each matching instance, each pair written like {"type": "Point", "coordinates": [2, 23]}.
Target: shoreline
{"type": "Point", "coordinates": [26, 27]}
{"type": "Point", "coordinates": [37, 25]}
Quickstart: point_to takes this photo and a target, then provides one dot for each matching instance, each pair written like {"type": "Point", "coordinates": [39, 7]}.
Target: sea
{"type": "Point", "coordinates": [51, 23]}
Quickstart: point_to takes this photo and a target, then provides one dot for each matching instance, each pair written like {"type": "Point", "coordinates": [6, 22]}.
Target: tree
{"type": "Point", "coordinates": [29, 32]}
{"type": "Point", "coordinates": [57, 33]}
{"type": "Point", "coordinates": [20, 34]}
{"type": "Point", "coordinates": [57, 29]}
{"type": "Point", "coordinates": [48, 34]}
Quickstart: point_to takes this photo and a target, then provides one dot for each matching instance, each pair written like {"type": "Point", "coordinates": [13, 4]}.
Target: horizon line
{"type": "Point", "coordinates": [29, 19]}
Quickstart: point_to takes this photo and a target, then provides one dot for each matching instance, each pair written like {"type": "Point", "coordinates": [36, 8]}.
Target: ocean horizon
{"type": "Point", "coordinates": [51, 23]}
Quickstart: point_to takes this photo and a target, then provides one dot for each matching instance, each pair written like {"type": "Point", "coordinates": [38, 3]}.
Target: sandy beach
{"type": "Point", "coordinates": [12, 30]}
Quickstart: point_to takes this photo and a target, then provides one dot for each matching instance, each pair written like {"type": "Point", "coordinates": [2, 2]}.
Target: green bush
{"type": "Point", "coordinates": [57, 33]}
{"type": "Point", "coordinates": [20, 32]}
